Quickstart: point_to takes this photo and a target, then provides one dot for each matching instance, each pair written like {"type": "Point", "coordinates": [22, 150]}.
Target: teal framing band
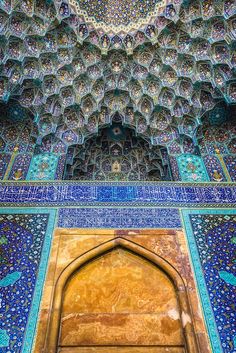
{"type": "Point", "coordinates": [199, 275]}
{"type": "Point", "coordinates": [39, 285]}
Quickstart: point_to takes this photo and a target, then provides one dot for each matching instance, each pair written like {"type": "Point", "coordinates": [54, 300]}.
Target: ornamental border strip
{"type": "Point", "coordinates": [113, 194]}
{"type": "Point", "coordinates": [117, 205]}
{"type": "Point", "coordinates": [113, 183]}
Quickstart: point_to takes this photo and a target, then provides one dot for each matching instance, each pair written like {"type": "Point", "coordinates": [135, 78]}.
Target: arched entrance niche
{"type": "Point", "coordinates": [120, 297]}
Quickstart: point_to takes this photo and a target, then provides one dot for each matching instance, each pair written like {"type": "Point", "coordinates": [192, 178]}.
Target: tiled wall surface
{"type": "Point", "coordinates": [119, 217]}
{"type": "Point", "coordinates": [212, 244]}
{"type": "Point", "coordinates": [25, 240]}
{"type": "Point", "coordinates": [60, 194]}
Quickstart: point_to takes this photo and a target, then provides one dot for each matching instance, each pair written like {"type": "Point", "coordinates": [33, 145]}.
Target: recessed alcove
{"type": "Point", "coordinates": [118, 295]}
{"type": "Point", "coordinates": [117, 153]}
{"type": "Point", "coordinates": [120, 299]}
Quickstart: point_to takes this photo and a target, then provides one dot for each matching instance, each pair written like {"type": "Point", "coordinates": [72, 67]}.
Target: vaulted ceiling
{"type": "Point", "coordinates": [72, 65]}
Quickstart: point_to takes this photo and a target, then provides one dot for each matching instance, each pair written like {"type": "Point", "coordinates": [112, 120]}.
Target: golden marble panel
{"type": "Point", "coordinates": [69, 244]}
{"type": "Point", "coordinates": [119, 282]}
{"type": "Point", "coordinates": [122, 350]}
{"type": "Point", "coordinates": [120, 299]}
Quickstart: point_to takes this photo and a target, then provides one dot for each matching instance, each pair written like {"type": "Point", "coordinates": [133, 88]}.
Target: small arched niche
{"type": "Point", "coordinates": [119, 300]}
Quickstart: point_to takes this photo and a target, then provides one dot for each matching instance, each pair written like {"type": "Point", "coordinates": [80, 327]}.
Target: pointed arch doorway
{"type": "Point", "coordinates": [120, 298]}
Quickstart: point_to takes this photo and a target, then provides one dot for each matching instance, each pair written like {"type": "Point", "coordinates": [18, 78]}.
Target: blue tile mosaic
{"type": "Point", "coordinates": [192, 168]}
{"type": "Point", "coordinates": [75, 194]}
{"type": "Point", "coordinates": [230, 162]}
{"type": "Point", "coordinates": [20, 166]}
{"type": "Point", "coordinates": [119, 218]}
{"type": "Point", "coordinates": [4, 162]}
{"type": "Point", "coordinates": [214, 168]}
{"type": "Point", "coordinates": [43, 167]}
{"type": "Point", "coordinates": [212, 242]}
{"type": "Point", "coordinates": [25, 239]}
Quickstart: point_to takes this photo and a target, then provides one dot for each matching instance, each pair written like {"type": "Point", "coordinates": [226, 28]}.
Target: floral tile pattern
{"type": "Point", "coordinates": [25, 239]}
{"type": "Point", "coordinates": [192, 168]}
{"type": "Point", "coordinates": [212, 244]}
{"type": "Point", "coordinates": [43, 167]}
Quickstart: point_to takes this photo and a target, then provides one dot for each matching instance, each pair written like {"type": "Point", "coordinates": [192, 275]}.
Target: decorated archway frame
{"type": "Point", "coordinates": [119, 242]}
{"type": "Point", "coordinates": [224, 221]}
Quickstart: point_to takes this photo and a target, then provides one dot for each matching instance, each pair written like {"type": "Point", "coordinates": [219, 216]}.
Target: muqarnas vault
{"type": "Point", "coordinates": [117, 169]}
{"type": "Point", "coordinates": [164, 72]}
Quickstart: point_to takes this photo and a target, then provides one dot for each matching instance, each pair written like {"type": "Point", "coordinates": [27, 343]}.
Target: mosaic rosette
{"type": "Point", "coordinates": [117, 16]}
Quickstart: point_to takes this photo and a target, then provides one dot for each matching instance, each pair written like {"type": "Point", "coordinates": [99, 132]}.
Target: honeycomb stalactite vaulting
{"type": "Point", "coordinates": [72, 70]}
{"type": "Point", "coordinates": [117, 155]}
{"type": "Point", "coordinates": [103, 103]}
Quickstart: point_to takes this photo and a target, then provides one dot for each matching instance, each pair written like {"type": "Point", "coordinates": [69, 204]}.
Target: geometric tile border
{"type": "Point", "coordinates": [123, 194]}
